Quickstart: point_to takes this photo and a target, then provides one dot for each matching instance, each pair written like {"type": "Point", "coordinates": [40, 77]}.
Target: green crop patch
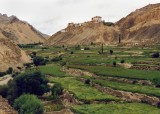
{"type": "Point", "coordinates": [125, 108]}
{"type": "Point", "coordinates": [82, 91]}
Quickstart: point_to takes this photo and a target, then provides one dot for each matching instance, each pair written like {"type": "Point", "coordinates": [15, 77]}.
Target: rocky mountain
{"type": "Point", "coordinates": [19, 31]}
{"type": "Point", "coordinates": [11, 55]}
{"type": "Point", "coordinates": [140, 27]}
{"type": "Point", "coordinates": [85, 33]}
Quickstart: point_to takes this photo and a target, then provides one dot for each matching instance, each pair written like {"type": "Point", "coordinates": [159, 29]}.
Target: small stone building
{"type": "Point", "coordinates": [97, 19]}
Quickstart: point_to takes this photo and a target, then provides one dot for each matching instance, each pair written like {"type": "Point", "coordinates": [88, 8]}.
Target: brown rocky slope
{"type": "Point", "coordinates": [140, 27]}
{"type": "Point", "coordinates": [93, 31]}
{"type": "Point", "coordinates": [11, 55]}
{"type": "Point", "coordinates": [19, 31]}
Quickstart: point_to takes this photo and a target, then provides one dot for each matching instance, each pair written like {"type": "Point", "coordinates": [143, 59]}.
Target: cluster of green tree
{"type": "Point", "coordinates": [108, 23]}
{"type": "Point", "coordinates": [38, 60]}
{"type": "Point", "coordinates": [29, 45]}
{"type": "Point", "coordinates": [34, 83]}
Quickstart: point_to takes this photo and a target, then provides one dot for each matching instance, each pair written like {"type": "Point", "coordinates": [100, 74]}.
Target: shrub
{"type": "Point", "coordinates": [63, 63]}
{"type": "Point", "coordinates": [122, 61]}
{"type": "Point", "coordinates": [78, 47]}
{"type": "Point", "coordinates": [88, 81]}
{"type": "Point", "coordinates": [114, 63]}
{"type": "Point", "coordinates": [28, 104]}
{"type": "Point", "coordinates": [108, 23]}
{"type": "Point", "coordinates": [72, 52]}
{"type": "Point", "coordinates": [86, 48]}
{"type": "Point", "coordinates": [2, 74]}
{"type": "Point", "coordinates": [57, 90]}
{"type": "Point", "coordinates": [38, 60]}
{"type": "Point", "coordinates": [10, 70]}
{"type": "Point", "coordinates": [111, 52]}
{"type": "Point", "coordinates": [3, 90]}
{"type": "Point", "coordinates": [56, 59]}
{"type": "Point", "coordinates": [156, 81]}
{"type": "Point", "coordinates": [155, 55]}
{"type": "Point", "coordinates": [32, 83]}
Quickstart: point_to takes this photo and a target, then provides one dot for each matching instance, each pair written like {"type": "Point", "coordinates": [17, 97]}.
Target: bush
{"type": "Point", "coordinates": [88, 81]}
{"type": "Point", "coordinates": [38, 60]}
{"type": "Point", "coordinates": [86, 48]}
{"type": "Point", "coordinates": [10, 70]}
{"type": "Point", "coordinates": [32, 83]}
{"type": "Point", "coordinates": [57, 90]}
{"type": "Point", "coordinates": [108, 23]}
{"type": "Point", "coordinates": [111, 52]}
{"type": "Point", "coordinates": [122, 61]}
{"type": "Point", "coordinates": [114, 63]}
{"type": "Point", "coordinates": [3, 90]}
{"type": "Point", "coordinates": [28, 104]}
{"type": "Point", "coordinates": [78, 47]}
{"type": "Point", "coordinates": [155, 55]}
{"type": "Point", "coordinates": [56, 59]}
{"type": "Point", "coordinates": [72, 52]}
{"type": "Point", "coordinates": [156, 81]}
{"type": "Point", "coordinates": [2, 74]}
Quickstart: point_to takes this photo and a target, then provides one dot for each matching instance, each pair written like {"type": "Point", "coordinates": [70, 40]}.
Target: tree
{"type": "Point", "coordinates": [39, 61]}
{"type": "Point", "coordinates": [156, 81]}
{"type": "Point", "coordinates": [111, 52]}
{"type": "Point", "coordinates": [32, 83]}
{"type": "Point", "coordinates": [122, 61]}
{"type": "Point", "coordinates": [57, 90]}
{"type": "Point", "coordinates": [114, 63]}
{"type": "Point", "coordinates": [78, 47]}
{"type": "Point", "coordinates": [10, 70]}
{"type": "Point", "coordinates": [102, 48]}
{"type": "Point", "coordinates": [28, 104]}
{"type": "Point", "coordinates": [155, 55]}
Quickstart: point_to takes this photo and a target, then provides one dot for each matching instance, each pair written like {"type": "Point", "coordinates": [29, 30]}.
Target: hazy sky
{"type": "Point", "coordinates": [50, 16]}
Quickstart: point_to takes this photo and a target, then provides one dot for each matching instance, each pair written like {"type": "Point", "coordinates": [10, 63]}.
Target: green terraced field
{"type": "Point", "coordinates": [82, 91]}
{"type": "Point", "coordinates": [127, 87]}
{"type": "Point", "coordinates": [125, 108]}
{"type": "Point", "coordinates": [52, 69]}
{"type": "Point", "coordinates": [119, 72]}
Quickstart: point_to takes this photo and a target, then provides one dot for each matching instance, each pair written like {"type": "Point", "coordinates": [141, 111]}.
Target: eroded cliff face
{"type": "Point", "coordinates": [11, 55]}
{"type": "Point", "coordinates": [19, 31]}
{"type": "Point", "coordinates": [142, 26]}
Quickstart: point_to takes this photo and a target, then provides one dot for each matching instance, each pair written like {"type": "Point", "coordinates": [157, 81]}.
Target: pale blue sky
{"type": "Point", "coordinates": [50, 16]}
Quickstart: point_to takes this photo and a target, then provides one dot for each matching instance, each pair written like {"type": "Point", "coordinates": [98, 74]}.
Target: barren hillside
{"type": "Point", "coordinates": [85, 33]}
{"type": "Point", "coordinates": [19, 31]}
{"type": "Point", "coordinates": [142, 25]}
{"type": "Point", "coordinates": [11, 55]}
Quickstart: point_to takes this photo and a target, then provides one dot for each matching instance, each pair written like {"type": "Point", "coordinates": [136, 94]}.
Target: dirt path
{"type": "Point", "coordinates": [5, 79]}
